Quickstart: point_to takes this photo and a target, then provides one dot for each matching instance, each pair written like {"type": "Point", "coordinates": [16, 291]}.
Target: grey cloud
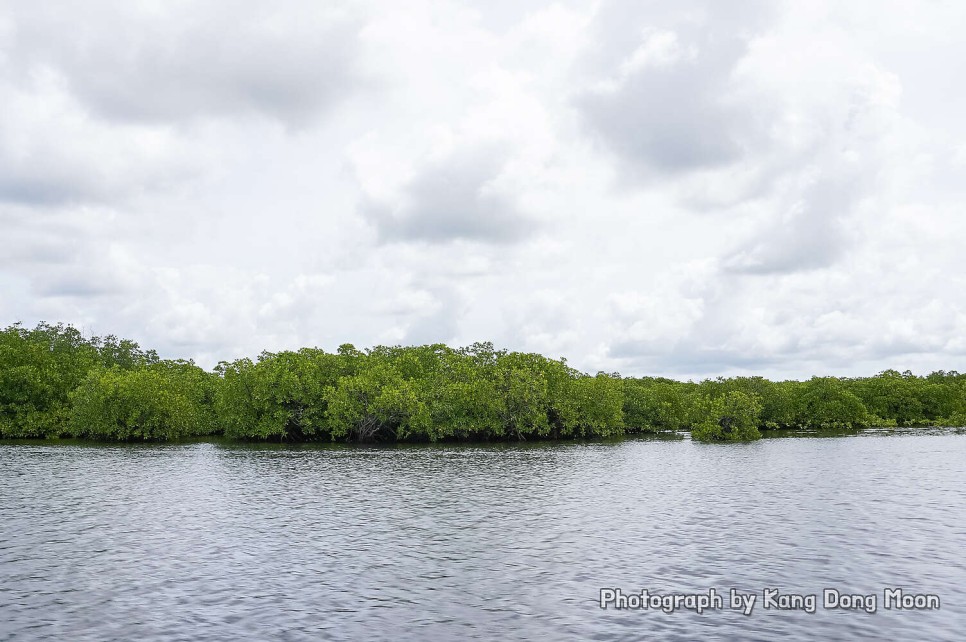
{"type": "Point", "coordinates": [620, 23]}
{"type": "Point", "coordinates": [439, 326]}
{"type": "Point", "coordinates": [85, 278]}
{"type": "Point", "coordinates": [678, 114]}
{"type": "Point", "coordinates": [32, 188]}
{"type": "Point", "coordinates": [453, 199]}
{"type": "Point", "coordinates": [684, 359]}
{"type": "Point", "coordinates": [77, 285]}
{"type": "Point", "coordinates": [38, 167]}
{"type": "Point", "coordinates": [692, 112]}
{"type": "Point", "coordinates": [811, 237]}
{"type": "Point", "coordinates": [667, 120]}
{"type": "Point", "coordinates": [80, 166]}
{"type": "Point", "coordinates": [838, 354]}
{"type": "Point", "coordinates": [501, 15]}
{"type": "Point", "coordinates": [59, 254]}
{"type": "Point", "coordinates": [36, 238]}
{"type": "Point", "coordinates": [202, 59]}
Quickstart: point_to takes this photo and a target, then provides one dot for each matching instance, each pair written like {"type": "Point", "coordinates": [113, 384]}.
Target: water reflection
{"type": "Point", "coordinates": [220, 541]}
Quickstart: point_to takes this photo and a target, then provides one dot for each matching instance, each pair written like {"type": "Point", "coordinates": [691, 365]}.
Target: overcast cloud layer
{"type": "Point", "coordinates": [683, 188]}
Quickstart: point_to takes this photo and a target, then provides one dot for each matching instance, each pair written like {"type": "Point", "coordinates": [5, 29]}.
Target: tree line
{"type": "Point", "coordinates": [54, 383]}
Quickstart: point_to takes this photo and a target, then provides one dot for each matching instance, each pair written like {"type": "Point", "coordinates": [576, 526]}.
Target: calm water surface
{"type": "Point", "coordinates": [207, 541]}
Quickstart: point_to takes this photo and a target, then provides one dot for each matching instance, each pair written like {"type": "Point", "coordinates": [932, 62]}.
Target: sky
{"type": "Point", "coordinates": [677, 188]}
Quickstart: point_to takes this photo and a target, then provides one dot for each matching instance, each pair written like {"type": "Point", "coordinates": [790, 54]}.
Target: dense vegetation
{"type": "Point", "coordinates": [56, 383]}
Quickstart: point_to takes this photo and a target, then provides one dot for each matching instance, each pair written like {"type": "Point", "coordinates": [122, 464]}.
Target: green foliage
{"type": "Point", "coordinates": [652, 405]}
{"type": "Point", "coordinates": [160, 401]}
{"type": "Point", "coordinates": [826, 402]}
{"type": "Point", "coordinates": [907, 400]}
{"type": "Point", "coordinates": [732, 416]}
{"type": "Point", "coordinates": [284, 396]}
{"type": "Point", "coordinates": [55, 382]}
{"type": "Point", "coordinates": [777, 399]}
{"type": "Point", "coordinates": [522, 396]}
{"type": "Point", "coordinates": [599, 402]}
{"type": "Point", "coordinates": [39, 369]}
{"type": "Point", "coordinates": [376, 404]}
{"type": "Point", "coordinates": [461, 394]}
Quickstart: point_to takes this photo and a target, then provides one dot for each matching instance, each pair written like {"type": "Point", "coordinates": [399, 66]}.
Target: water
{"type": "Point", "coordinates": [208, 541]}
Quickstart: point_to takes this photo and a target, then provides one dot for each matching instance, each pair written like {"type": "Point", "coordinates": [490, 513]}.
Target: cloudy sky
{"type": "Point", "coordinates": [679, 187]}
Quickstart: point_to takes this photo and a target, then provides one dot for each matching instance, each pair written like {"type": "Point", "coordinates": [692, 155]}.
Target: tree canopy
{"type": "Point", "coordinates": [54, 382]}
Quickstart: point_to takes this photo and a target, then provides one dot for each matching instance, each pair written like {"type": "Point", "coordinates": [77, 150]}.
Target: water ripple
{"type": "Point", "coordinates": [215, 542]}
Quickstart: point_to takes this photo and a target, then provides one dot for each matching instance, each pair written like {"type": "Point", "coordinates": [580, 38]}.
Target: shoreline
{"type": "Point", "coordinates": [664, 436]}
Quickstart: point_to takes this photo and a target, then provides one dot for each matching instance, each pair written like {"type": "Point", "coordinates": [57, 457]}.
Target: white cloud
{"type": "Point", "coordinates": [457, 197]}
{"type": "Point", "coordinates": [183, 60]}
{"type": "Point", "coordinates": [680, 188]}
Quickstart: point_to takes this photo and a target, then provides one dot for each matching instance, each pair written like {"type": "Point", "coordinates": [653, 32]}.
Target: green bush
{"type": "Point", "coordinates": [165, 400]}
{"type": "Point", "coordinates": [732, 417]}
